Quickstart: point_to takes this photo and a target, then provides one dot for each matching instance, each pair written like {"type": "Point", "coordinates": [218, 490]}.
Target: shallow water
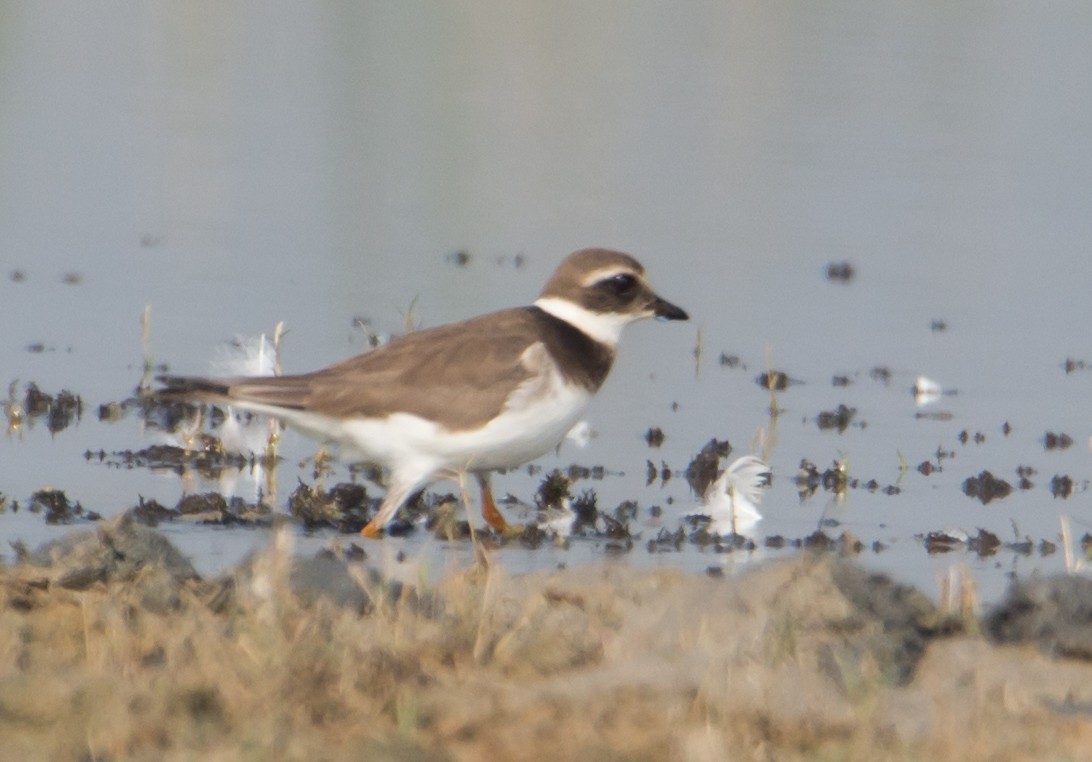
{"type": "Point", "coordinates": [232, 169]}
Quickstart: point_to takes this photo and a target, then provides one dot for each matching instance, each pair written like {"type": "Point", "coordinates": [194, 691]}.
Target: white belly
{"type": "Point", "coordinates": [406, 442]}
{"type": "Point", "coordinates": [513, 438]}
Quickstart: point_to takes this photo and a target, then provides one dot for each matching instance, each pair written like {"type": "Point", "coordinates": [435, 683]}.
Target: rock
{"type": "Point", "coordinates": [1055, 613]}
{"type": "Point", "coordinates": [121, 551]}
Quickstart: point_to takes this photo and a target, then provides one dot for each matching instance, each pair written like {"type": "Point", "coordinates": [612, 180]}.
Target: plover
{"type": "Point", "coordinates": [482, 395]}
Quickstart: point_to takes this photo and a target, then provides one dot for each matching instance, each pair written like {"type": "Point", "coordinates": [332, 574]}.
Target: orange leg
{"type": "Point", "coordinates": [398, 492]}
{"type": "Point", "coordinates": [490, 513]}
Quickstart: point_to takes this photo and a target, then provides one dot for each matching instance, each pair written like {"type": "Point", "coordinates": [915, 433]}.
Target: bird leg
{"type": "Point", "coordinates": [490, 513]}
{"type": "Point", "coordinates": [397, 494]}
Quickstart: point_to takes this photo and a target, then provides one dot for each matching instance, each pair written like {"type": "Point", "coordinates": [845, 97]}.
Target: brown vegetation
{"type": "Point", "coordinates": [111, 648]}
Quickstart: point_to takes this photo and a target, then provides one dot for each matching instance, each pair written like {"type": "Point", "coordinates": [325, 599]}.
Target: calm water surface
{"type": "Point", "coordinates": [233, 166]}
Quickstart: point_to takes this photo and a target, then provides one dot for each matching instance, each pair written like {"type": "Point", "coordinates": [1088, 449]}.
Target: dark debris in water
{"type": "Point", "coordinates": [345, 507]}
{"type": "Point", "coordinates": [214, 508]}
{"type": "Point", "coordinates": [64, 408]}
{"type": "Point", "coordinates": [654, 436]}
{"type": "Point", "coordinates": [705, 467]}
{"type": "Point", "coordinates": [984, 543]}
{"type": "Point", "coordinates": [59, 410]}
{"type": "Point", "coordinates": [1072, 365]}
{"type": "Point", "coordinates": [1062, 485]}
{"type": "Point", "coordinates": [1057, 441]}
{"type": "Point", "coordinates": [553, 490]}
{"type": "Point", "coordinates": [840, 272]}
{"type": "Point", "coordinates": [732, 362]}
{"type": "Point", "coordinates": [152, 512]}
{"type": "Point", "coordinates": [986, 487]}
{"type": "Point", "coordinates": [837, 480]}
{"type": "Point", "coordinates": [460, 258]}
{"type": "Point", "coordinates": [775, 380]}
{"type": "Point", "coordinates": [965, 437]}
{"type": "Point", "coordinates": [653, 472]}
{"type": "Point", "coordinates": [586, 508]}
{"type": "Point", "coordinates": [845, 544]}
{"type": "Point", "coordinates": [838, 419]}
{"type": "Point", "coordinates": [575, 471]}
{"type": "Point", "coordinates": [57, 508]}
{"type": "Point", "coordinates": [881, 374]}
{"type": "Point", "coordinates": [1023, 477]}
{"type": "Point", "coordinates": [933, 415]}
{"type": "Point", "coordinates": [208, 459]}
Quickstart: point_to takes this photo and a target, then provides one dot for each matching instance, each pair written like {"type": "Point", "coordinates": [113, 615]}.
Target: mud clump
{"type": "Point", "coordinates": [55, 505]}
{"type": "Point", "coordinates": [705, 467]}
{"type": "Point", "coordinates": [1061, 486]}
{"type": "Point", "coordinates": [986, 487]}
{"type": "Point", "coordinates": [840, 272]}
{"type": "Point", "coordinates": [1071, 365]}
{"type": "Point", "coordinates": [774, 380]}
{"type": "Point", "coordinates": [59, 410]}
{"type": "Point", "coordinates": [344, 507]}
{"type": "Point", "coordinates": [1057, 441]}
{"type": "Point", "coordinates": [1024, 474]}
{"type": "Point", "coordinates": [151, 512]}
{"type": "Point", "coordinates": [208, 459]}
{"type": "Point", "coordinates": [837, 419]}
{"type": "Point", "coordinates": [554, 489]}
{"type": "Point", "coordinates": [984, 543]}
{"type": "Point", "coordinates": [837, 480]}
{"type": "Point", "coordinates": [654, 436]}
{"type": "Point", "coordinates": [214, 508]}
{"type": "Point", "coordinates": [881, 375]}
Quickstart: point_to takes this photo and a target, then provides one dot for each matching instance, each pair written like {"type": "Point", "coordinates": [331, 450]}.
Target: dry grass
{"type": "Point", "coordinates": [594, 663]}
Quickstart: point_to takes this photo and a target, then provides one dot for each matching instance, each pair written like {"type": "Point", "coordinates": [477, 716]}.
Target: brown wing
{"type": "Point", "coordinates": [462, 372]}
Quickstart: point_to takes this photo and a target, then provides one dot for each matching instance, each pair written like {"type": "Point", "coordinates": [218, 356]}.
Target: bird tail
{"type": "Point", "coordinates": [262, 393]}
{"type": "Point", "coordinates": [193, 389]}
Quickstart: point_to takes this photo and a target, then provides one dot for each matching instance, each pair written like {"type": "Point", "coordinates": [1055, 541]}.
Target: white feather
{"type": "Point", "coordinates": [558, 521]}
{"type": "Point", "coordinates": [732, 501]}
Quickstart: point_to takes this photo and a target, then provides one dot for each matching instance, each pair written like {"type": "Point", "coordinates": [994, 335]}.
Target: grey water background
{"type": "Point", "coordinates": [235, 165]}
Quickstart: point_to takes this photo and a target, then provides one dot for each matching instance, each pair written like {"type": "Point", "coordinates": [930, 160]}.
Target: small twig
{"type": "Point", "coordinates": [1070, 563]}
{"type": "Point", "coordinates": [274, 423]}
{"type": "Point", "coordinates": [698, 345]}
{"type": "Point", "coordinates": [775, 410]}
{"type": "Point", "coordinates": [146, 346]}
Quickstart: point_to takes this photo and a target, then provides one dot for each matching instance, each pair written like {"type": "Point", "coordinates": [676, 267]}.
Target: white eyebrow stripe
{"type": "Point", "coordinates": [608, 272]}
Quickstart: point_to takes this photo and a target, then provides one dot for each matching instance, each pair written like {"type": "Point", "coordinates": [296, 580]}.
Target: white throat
{"type": "Point", "coordinates": [604, 327]}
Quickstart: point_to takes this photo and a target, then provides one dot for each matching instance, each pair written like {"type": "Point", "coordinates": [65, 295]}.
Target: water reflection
{"type": "Point", "coordinates": [26, 408]}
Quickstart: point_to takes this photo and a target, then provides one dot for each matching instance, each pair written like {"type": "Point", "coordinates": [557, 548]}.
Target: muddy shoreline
{"type": "Point", "coordinates": [118, 649]}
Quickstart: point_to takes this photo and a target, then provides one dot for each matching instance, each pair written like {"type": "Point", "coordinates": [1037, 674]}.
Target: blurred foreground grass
{"type": "Point", "coordinates": [111, 649]}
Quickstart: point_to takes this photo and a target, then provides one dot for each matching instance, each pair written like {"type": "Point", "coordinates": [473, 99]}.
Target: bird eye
{"type": "Point", "coordinates": [622, 285]}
